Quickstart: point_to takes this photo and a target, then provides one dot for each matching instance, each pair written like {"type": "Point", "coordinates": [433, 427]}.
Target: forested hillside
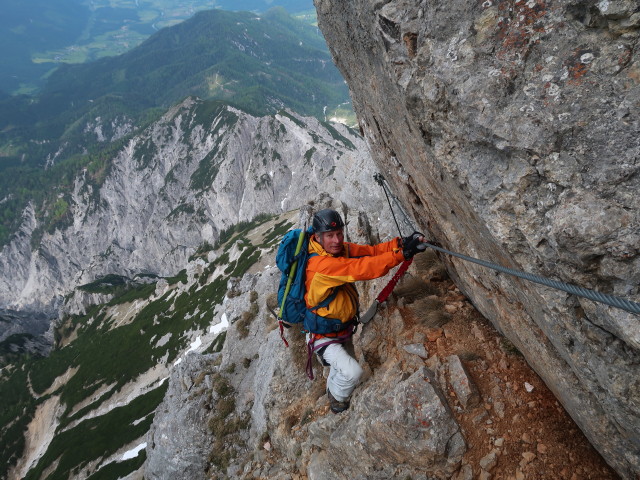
{"type": "Point", "coordinates": [38, 35]}
{"type": "Point", "coordinates": [86, 112]}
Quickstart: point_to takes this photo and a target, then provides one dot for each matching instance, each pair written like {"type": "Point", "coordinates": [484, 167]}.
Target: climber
{"type": "Point", "coordinates": [331, 270]}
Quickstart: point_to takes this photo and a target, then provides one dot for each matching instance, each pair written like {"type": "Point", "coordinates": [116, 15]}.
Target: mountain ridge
{"type": "Point", "coordinates": [201, 168]}
{"type": "Point", "coordinates": [86, 110]}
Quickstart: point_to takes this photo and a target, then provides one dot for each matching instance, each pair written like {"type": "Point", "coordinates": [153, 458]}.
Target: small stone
{"type": "Point", "coordinates": [449, 308]}
{"type": "Point", "coordinates": [503, 364]}
{"type": "Point", "coordinates": [480, 417]}
{"type": "Point", "coordinates": [465, 473]}
{"type": "Point", "coordinates": [527, 457]}
{"type": "Point", "coordinates": [419, 337]}
{"type": "Point", "coordinates": [519, 475]}
{"type": "Point", "coordinates": [477, 333]}
{"type": "Point", "coordinates": [448, 332]}
{"type": "Point", "coordinates": [433, 334]}
{"type": "Point", "coordinates": [498, 442]}
{"type": "Point", "coordinates": [488, 462]}
{"type": "Point", "coordinates": [267, 446]}
{"type": "Point", "coordinates": [528, 387]}
{"type": "Point", "coordinates": [526, 438]}
{"type": "Point", "coordinates": [416, 349]}
{"type": "Point", "coordinates": [484, 475]}
{"type": "Point", "coordinates": [542, 448]}
{"type": "Point", "coordinates": [461, 382]}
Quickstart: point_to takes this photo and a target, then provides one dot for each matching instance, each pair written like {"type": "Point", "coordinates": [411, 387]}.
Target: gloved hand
{"type": "Point", "coordinates": [413, 244]}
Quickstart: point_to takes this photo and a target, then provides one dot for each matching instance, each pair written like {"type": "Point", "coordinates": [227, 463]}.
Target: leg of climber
{"type": "Point", "coordinates": [344, 375]}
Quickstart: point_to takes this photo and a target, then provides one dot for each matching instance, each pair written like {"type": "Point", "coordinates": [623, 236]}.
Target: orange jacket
{"type": "Point", "coordinates": [357, 262]}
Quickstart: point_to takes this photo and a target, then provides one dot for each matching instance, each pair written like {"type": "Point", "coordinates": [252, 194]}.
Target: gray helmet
{"type": "Point", "coordinates": [327, 220]}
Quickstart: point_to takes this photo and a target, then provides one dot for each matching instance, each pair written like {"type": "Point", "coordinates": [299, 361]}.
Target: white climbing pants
{"type": "Point", "coordinates": [345, 371]}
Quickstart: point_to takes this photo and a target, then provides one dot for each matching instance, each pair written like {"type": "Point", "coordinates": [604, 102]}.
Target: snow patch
{"type": "Point", "coordinates": [133, 453]}
{"type": "Point", "coordinates": [194, 346]}
{"type": "Point", "coordinates": [219, 327]}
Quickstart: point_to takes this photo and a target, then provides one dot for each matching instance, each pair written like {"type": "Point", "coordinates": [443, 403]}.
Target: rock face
{"type": "Point", "coordinates": [179, 417]}
{"type": "Point", "coordinates": [510, 129]}
{"type": "Point", "coordinates": [195, 172]}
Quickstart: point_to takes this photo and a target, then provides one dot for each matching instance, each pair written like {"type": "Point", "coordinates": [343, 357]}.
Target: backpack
{"type": "Point", "coordinates": [292, 258]}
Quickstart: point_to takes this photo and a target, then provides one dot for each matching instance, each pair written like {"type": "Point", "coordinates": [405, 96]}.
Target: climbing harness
{"type": "Point", "coordinates": [313, 348]}
{"type": "Point", "coordinates": [611, 300]}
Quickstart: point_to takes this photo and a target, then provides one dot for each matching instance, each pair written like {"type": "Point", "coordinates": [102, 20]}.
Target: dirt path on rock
{"type": "Point", "coordinates": [519, 430]}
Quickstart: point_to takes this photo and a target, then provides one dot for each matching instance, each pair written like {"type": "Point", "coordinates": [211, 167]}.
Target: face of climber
{"type": "Point", "coordinates": [332, 242]}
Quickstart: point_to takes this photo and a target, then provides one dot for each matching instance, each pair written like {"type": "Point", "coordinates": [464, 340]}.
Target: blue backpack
{"type": "Point", "coordinates": [292, 286]}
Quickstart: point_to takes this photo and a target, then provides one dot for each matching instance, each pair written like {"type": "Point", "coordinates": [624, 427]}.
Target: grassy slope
{"type": "Point", "coordinates": [104, 355]}
{"type": "Point", "coordinates": [39, 35]}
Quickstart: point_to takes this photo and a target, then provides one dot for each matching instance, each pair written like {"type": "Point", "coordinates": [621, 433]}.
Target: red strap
{"type": "Point", "coordinates": [312, 348]}
{"type": "Point", "coordinates": [386, 291]}
{"type": "Point", "coordinates": [282, 333]}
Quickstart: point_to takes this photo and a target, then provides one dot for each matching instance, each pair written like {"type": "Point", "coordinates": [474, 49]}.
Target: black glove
{"type": "Point", "coordinates": [413, 244]}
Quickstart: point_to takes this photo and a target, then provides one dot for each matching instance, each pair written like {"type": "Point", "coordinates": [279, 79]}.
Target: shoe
{"type": "Point", "coordinates": [335, 405]}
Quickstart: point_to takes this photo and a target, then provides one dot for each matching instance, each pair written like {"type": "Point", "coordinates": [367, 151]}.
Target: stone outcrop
{"type": "Point", "coordinates": [183, 415]}
{"type": "Point", "coordinates": [400, 423]}
{"type": "Point", "coordinates": [510, 130]}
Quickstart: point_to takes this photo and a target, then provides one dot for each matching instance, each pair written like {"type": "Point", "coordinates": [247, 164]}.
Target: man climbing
{"type": "Point", "coordinates": [331, 270]}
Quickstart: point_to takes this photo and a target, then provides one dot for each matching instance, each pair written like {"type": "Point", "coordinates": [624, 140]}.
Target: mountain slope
{"type": "Point", "coordinates": [38, 35]}
{"type": "Point", "coordinates": [237, 56]}
{"type": "Point", "coordinates": [214, 54]}
{"type": "Point", "coordinates": [259, 63]}
{"type": "Point", "coordinates": [202, 167]}
{"type": "Point", "coordinates": [201, 188]}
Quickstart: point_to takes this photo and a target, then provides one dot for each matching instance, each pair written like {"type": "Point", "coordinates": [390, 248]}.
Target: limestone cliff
{"type": "Point", "coordinates": [510, 129]}
{"type": "Point", "coordinates": [200, 169]}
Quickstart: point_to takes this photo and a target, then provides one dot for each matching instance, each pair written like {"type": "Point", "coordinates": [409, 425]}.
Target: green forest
{"type": "Point", "coordinates": [39, 35]}
{"type": "Point", "coordinates": [258, 64]}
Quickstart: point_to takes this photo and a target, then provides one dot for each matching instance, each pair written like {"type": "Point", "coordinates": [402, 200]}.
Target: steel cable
{"type": "Point", "coordinates": [611, 300]}
{"type": "Point", "coordinates": [617, 302]}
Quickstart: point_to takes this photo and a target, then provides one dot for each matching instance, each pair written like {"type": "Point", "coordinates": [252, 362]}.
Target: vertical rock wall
{"type": "Point", "coordinates": [511, 130]}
